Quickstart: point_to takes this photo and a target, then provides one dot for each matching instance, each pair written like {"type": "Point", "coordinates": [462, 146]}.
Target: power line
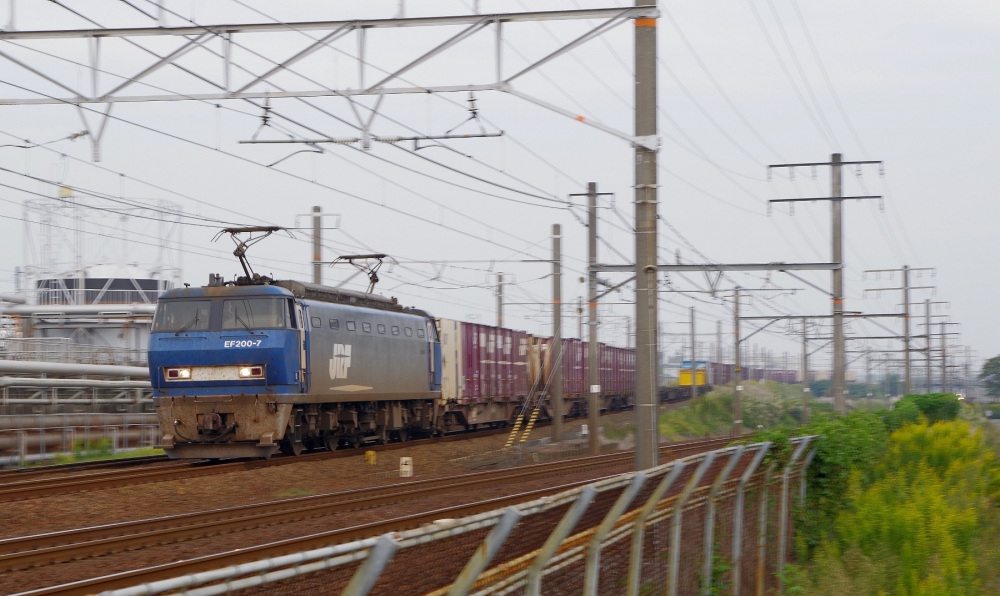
{"type": "Point", "coordinates": [715, 83]}
{"type": "Point", "coordinates": [826, 77]}
{"type": "Point", "coordinates": [788, 74]}
{"type": "Point", "coordinates": [802, 73]}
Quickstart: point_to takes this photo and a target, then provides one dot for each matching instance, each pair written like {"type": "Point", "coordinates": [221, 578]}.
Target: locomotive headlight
{"type": "Point", "coordinates": [178, 374]}
{"type": "Point", "coordinates": [251, 372]}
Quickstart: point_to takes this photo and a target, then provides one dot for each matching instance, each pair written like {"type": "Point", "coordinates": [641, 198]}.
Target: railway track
{"type": "Point", "coordinates": [17, 485]}
{"type": "Point", "coordinates": [18, 553]}
{"type": "Point", "coordinates": [125, 462]}
{"type": "Point", "coordinates": [20, 488]}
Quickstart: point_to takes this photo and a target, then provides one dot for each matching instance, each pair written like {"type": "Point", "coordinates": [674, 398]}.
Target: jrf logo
{"type": "Point", "coordinates": [340, 362]}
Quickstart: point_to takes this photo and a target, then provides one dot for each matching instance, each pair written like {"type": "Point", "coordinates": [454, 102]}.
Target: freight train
{"type": "Point", "coordinates": [250, 367]}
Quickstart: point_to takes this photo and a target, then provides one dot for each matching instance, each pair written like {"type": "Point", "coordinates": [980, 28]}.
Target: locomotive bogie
{"type": "Point", "coordinates": [221, 426]}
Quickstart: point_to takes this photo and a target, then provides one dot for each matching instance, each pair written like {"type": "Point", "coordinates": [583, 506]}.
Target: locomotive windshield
{"type": "Point", "coordinates": [254, 313]}
{"type": "Point", "coordinates": [182, 315]}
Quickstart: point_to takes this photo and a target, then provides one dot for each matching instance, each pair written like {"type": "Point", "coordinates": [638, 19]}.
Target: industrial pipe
{"type": "Point", "coordinates": [55, 368]}
{"type": "Point", "coordinates": [27, 310]}
{"type": "Point", "coordinates": [72, 383]}
{"type": "Point", "coordinates": [60, 421]}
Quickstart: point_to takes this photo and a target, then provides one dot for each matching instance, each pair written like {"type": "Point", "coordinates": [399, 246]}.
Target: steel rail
{"type": "Point", "coordinates": [29, 551]}
{"type": "Point", "coordinates": [33, 550]}
{"type": "Point", "coordinates": [123, 462]}
{"type": "Point", "coordinates": [44, 487]}
{"type": "Point", "coordinates": [277, 548]}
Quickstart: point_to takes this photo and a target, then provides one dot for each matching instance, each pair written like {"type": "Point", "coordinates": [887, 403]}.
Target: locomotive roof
{"type": "Point", "coordinates": [322, 293]}
{"type": "Point", "coordinates": [225, 291]}
{"type": "Point", "coordinates": [288, 288]}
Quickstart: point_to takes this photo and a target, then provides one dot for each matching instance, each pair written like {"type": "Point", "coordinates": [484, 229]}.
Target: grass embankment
{"type": "Point", "coordinates": [766, 405]}
{"type": "Point", "coordinates": [900, 502]}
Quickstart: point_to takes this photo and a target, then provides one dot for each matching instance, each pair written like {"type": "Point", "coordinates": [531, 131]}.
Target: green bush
{"type": "Point", "coordinates": [935, 406]}
{"type": "Point", "coordinates": [918, 519]}
{"type": "Point", "coordinates": [904, 412]}
{"type": "Point", "coordinates": [847, 445]}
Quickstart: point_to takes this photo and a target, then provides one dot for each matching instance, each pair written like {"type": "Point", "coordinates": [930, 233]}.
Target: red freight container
{"type": "Point", "coordinates": [617, 368]}
{"type": "Point", "coordinates": [494, 363]}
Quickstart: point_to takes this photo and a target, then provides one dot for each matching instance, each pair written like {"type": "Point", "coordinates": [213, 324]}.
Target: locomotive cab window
{"type": "Point", "coordinates": [381, 328]}
{"type": "Point", "coordinates": [316, 321]}
{"type": "Point", "coordinates": [334, 324]}
{"type": "Point", "coordinates": [351, 326]}
{"type": "Point", "coordinates": [253, 313]}
{"type": "Point", "coordinates": [182, 315]}
{"type": "Point", "coordinates": [366, 327]}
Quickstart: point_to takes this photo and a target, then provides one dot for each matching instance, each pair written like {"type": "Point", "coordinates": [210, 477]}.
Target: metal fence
{"type": "Point", "coordinates": [92, 296]}
{"type": "Point", "coordinates": [82, 392]}
{"type": "Point", "coordinates": [60, 349]}
{"type": "Point", "coordinates": [713, 523]}
{"type": "Point", "coordinates": [26, 439]}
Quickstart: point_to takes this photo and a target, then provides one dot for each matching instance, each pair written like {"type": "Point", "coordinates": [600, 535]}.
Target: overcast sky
{"type": "Point", "coordinates": [742, 84]}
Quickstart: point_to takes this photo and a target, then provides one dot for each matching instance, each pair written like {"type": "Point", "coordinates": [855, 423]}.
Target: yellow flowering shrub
{"type": "Point", "coordinates": [918, 519]}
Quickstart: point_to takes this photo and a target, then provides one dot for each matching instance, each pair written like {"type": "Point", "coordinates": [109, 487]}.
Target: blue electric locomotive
{"type": "Point", "coordinates": [246, 368]}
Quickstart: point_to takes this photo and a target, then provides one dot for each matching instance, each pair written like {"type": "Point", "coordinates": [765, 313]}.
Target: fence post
{"type": "Point", "coordinates": [486, 551]}
{"type": "Point", "coordinates": [762, 529]}
{"type": "Point", "coordinates": [675, 522]}
{"type": "Point", "coordinates": [591, 573]}
{"type": "Point", "coordinates": [533, 584]}
{"type": "Point", "coordinates": [22, 448]}
{"type": "Point", "coordinates": [368, 573]}
{"type": "Point", "coordinates": [635, 557]}
{"type": "Point", "coordinates": [783, 521]}
{"type": "Point", "coordinates": [805, 466]}
{"type": "Point", "coordinates": [737, 560]}
{"type": "Point", "coordinates": [709, 544]}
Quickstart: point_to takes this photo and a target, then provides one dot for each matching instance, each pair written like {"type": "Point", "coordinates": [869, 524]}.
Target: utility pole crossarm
{"type": "Point", "coordinates": [893, 315]}
{"type": "Point", "coordinates": [897, 289]}
{"type": "Point", "coordinates": [710, 267]}
{"type": "Point", "coordinates": [824, 163]}
{"type": "Point", "coordinates": [812, 199]}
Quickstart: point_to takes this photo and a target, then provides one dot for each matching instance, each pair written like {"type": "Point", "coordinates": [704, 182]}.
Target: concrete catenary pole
{"type": "Point", "coordinates": [694, 359]}
{"type": "Point", "coordinates": [593, 365]}
{"type": "Point", "coordinates": [805, 371]}
{"type": "Point", "coordinates": [927, 327]}
{"type": "Point", "coordinates": [737, 368]}
{"type": "Point", "coordinates": [944, 359]}
{"type": "Point", "coordinates": [647, 432]}
{"type": "Point", "coordinates": [556, 352]}
{"type": "Point", "coordinates": [839, 350]}
{"type": "Point", "coordinates": [868, 373]}
{"type": "Point", "coordinates": [718, 351]}
{"type": "Point", "coordinates": [317, 245]}
{"type": "Point", "coordinates": [499, 299]}
{"type": "Point", "coordinates": [906, 328]}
